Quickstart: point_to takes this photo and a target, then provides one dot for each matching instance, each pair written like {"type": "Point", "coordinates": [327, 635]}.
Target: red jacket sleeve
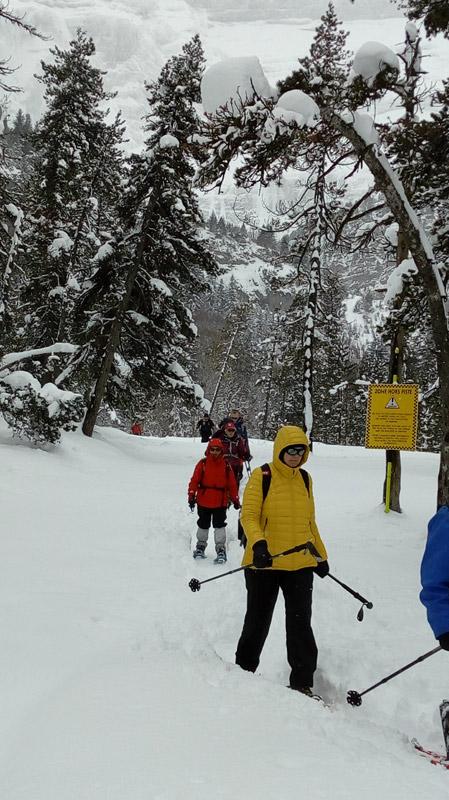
{"type": "Point", "coordinates": [195, 480]}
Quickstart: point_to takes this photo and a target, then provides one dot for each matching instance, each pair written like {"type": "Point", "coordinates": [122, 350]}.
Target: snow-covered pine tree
{"type": "Point", "coordinates": [336, 405]}
{"type": "Point", "coordinates": [77, 169]}
{"type": "Point", "coordinates": [435, 14]}
{"type": "Point", "coordinates": [37, 412]}
{"type": "Point", "coordinates": [327, 65]}
{"type": "Point", "coordinates": [161, 257]}
{"type": "Point", "coordinates": [11, 214]}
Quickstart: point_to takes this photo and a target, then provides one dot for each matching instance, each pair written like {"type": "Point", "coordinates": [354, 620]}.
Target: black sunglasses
{"type": "Point", "coordinates": [295, 450]}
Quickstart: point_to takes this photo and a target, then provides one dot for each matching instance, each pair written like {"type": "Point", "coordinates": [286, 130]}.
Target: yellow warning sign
{"type": "Point", "coordinates": [392, 416]}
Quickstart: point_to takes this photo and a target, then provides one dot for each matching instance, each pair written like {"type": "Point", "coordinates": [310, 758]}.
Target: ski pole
{"type": "Point", "coordinates": [195, 584]}
{"type": "Point", "coordinates": [312, 549]}
{"type": "Point", "coordinates": [355, 698]}
{"type": "Point", "coordinates": [248, 468]}
{"type": "Point", "coordinates": [355, 594]}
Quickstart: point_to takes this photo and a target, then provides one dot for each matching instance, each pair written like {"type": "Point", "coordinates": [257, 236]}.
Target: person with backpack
{"type": "Point", "coordinates": [278, 514]}
{"type": "Point", "coordinates": [212, 488]}
{"type": "Point", "coordinates": [205, 426]}
{"type": "Point", "coordinates": [234, 448]}
{"type": "Point", "coordinates": [236, 417]}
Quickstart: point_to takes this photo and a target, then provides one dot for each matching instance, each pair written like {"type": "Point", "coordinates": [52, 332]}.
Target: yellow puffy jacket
{"type": "Point", "coordinates": [287, 516]}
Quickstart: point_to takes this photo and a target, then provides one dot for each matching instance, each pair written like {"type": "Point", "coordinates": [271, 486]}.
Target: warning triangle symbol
{"type": "Point", "coordinates": [392, 403]}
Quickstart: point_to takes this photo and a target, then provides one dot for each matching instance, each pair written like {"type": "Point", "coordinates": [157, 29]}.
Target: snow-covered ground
{"type": "Point", "coordinates": [118, 683]}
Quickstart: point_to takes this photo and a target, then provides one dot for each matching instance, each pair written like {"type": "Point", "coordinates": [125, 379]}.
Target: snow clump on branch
{"type": "Point", "coordinates": [401, 275]}
{"type": "Point", "coordinates": [294, 108]}
{"type": "Point", "coordinates": [167, 141]}
{"type": "Point", "coordinates": [371, 60]}
{"type": "Point", "coordinates": [232, 83]}
{"type": "Point", "coordinates": [35, 412]}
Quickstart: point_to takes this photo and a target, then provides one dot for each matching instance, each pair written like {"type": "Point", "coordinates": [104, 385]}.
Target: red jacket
{"type": "Point", "coordinates": [213, 484]}
{"type": "Point", "coordinates": [136, 429]}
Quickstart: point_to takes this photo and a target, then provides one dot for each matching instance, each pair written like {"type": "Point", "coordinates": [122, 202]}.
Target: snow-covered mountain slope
{"type": "Point", "coordinates": [135, 37]}
{"type": "Point", "coordinates": [118, 682]}
{"type": "Point", "coordinates": [278, 9]}
{"type": "Point", "coordinates": [250, 267]}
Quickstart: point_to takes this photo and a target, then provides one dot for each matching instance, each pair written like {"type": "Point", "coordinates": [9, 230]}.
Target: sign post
{"type": "Point", "coordinates": [392, 421]}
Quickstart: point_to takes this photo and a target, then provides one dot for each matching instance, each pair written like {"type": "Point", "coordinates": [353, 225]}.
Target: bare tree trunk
{"type": "Point", "coordinates": [395, 375]}
{"type": "Point", "coordinates": [222, 372]}
{"type": "Point", "coordinates": [394, 456]}
{"type": "Point", "coordinates": [312, 304]}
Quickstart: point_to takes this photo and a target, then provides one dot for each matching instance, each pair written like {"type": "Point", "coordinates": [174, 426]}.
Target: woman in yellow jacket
{"type": "Point", "coordinates": [284, 519]}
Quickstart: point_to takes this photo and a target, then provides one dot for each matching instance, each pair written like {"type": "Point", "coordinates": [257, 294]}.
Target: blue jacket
{"type": "Point", "coordinates": [435, 573]}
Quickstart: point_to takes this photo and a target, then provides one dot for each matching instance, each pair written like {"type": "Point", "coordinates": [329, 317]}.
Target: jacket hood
{"type": "Point", "coordinates": [287, 436]}
{"type": "Point", "coordinates": [214, 443]}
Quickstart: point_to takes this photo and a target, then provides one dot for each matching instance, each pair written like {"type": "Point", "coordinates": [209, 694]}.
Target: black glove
{"type": "Point", "coordinates": [444, 641]}
{"type": "Point", "coordinates": [322, 569]}
{"type": "Point", "coordinates": [237, 505]}
{"type": "Point", "coordinates": [191, 503]}
{"type": "Point", "coordinates": [261, 555]}
{"type": "Point", "coordinates": [249, 458]}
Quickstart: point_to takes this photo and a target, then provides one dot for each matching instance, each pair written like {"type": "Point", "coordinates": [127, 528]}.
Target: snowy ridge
{"type": "Point", "coordinates": [117, 680]}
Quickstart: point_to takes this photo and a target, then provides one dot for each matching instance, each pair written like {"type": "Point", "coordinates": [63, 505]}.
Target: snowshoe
{"type": "Point", "coordinates": [431, 755]}
{"type": "Point", "coordinates": [444, 714]}
{"type": "Point", "coordinates": [308, 692]}
{"type": "Point", "coordinates": [199, 551]}
{"type": "Point", "coordinates": [221, 557]}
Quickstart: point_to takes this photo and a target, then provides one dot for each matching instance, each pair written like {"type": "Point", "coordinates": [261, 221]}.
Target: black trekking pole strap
{"type": "Point", "coordinates": [355, 698]}
{"type": "Point", "coordinates": [195, 584]}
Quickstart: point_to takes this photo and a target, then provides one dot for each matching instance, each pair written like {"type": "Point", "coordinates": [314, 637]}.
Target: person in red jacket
{"type": "Point", "coordinates": [136, 429]}
{"type": "Point", "coordinates": [212, 487]}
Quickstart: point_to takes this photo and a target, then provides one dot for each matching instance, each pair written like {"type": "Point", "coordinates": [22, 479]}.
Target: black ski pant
{"type": "Point", "coordinates": [262, 591]}
{"type": "Point", "coordinates": [216, 515]}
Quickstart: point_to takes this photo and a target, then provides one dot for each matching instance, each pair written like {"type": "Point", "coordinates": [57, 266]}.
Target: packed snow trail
{"type": "Point", "coordinates": [118, 682]}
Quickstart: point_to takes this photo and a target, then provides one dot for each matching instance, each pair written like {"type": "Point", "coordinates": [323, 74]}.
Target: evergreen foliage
{"type": "Point", "coordinates": [434, 12]}
{"type": "Point", "coordinates": [37, 413]}
{"type": "Point", "coordinates": [160, 258]}
{"type": "Point", "coordinates": [75, 180]}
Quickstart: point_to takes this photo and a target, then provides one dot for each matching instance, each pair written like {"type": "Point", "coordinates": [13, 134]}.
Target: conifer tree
{"type": "Point", "coordinates": [326, 66]}
{"type": "Point", "coordinates": [78, 168]}
{"type": "Point", "coordinates": [160, 258]}
{"type": "Point", "coordinates": [434, 12]}
{"type": "Point", "coordinates": [11, 214]}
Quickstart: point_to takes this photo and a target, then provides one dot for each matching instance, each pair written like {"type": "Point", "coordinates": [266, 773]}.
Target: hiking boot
{"type": "Point", "coordinates": [221, 556]}
{"type": "Point", "coordinates": [199, 551]}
